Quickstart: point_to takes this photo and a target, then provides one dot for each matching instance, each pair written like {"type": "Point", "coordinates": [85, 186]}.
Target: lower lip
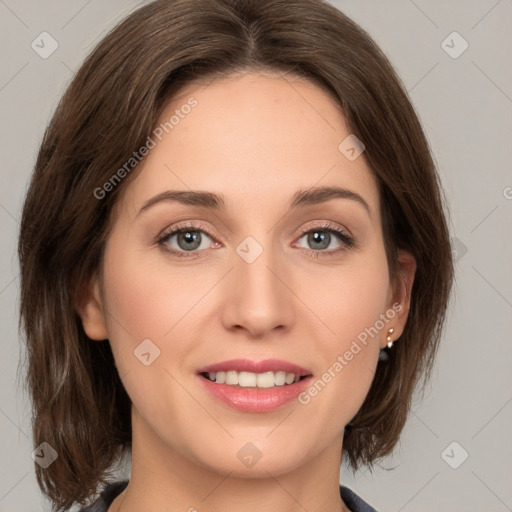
{"type": "Point", "coordinates": [255, 399]}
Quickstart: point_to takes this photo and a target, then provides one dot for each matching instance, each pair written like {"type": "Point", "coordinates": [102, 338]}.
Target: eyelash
{"type": "Point", "coordinates": [346, 240]}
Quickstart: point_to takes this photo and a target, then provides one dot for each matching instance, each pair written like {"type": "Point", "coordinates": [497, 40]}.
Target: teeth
{"type": "Point", "coordinates": [251, 380]}
{"type": "Point", "coordinates": [280, 378]}
{"type": "Point", "coordinates": [265, 380]}
{"type": "Point", "coordinates": [247, 379]}
{"type": "Point", "coordinates": [232, 378]}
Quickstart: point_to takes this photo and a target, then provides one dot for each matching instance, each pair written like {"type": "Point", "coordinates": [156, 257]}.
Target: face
{"type": "Point", "coordinates": [267, 270]}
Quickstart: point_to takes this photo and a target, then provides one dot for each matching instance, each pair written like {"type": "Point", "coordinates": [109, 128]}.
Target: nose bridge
{"type": "Point", "coordinates": [259, 300]}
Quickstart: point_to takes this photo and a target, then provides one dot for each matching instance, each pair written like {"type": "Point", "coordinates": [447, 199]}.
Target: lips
{"type": "Point", "coordinates": [254, 392]}
{"type": "Point", "coordinates": [247, 365]}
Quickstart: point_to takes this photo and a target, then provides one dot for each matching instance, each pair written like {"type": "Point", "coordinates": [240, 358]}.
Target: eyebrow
{"type": "Point", "coordinates": [213, 201]}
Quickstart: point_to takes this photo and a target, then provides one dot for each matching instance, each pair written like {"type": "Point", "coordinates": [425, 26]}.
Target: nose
{"type": "Point", "coordinates": [258, 294]}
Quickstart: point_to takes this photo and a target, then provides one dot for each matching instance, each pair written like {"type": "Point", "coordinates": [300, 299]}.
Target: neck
{"type": "Point", "coordinates": [164, 480]}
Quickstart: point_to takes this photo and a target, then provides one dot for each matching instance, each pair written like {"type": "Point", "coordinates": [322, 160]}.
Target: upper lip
{"type": "Point", "coordinates": [248, 365]}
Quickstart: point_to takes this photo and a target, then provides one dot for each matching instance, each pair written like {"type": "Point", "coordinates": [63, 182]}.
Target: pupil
{"type": "Point", "coordinates": [189, 237]}
{"type": "Point", "coordinates": [322, 239]}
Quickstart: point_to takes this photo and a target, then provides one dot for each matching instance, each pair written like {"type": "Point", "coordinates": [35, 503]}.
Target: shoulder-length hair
{"type": "Point", "coordinates": [111, 106]}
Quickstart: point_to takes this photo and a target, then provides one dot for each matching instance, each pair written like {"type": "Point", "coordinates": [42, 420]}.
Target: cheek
{"type": "Point", "coordinates": [139, 307]}
{"type": "Point", "coordinates": [143, 306]}
{"type": "Point", "coordinates": [351, 299]}
{"type": "Point", "coordinates": [146, 299]}
{"type": "Point", "coordinates": [351, 303]}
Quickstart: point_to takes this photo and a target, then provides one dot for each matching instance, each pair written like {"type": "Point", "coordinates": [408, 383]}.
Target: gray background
{"type": "Point", "coordinates": [465, 104]}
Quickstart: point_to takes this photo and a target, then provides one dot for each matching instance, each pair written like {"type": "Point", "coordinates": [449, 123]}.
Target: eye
{"type": "Point", "coordinates": [321, 238]}
{"type": "Point", "coordinates": [183, 239]}
{"type": "Point", "coordinates": [188, 240]}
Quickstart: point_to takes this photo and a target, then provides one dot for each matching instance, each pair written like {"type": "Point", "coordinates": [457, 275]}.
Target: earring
{"type": "Point", "coordinates": [389, 340]}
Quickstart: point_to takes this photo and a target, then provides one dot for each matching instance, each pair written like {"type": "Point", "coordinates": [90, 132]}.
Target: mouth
{"type": "Point", "coordinates": [255, 386]}
{"type": "Point", "coordinates": [246, 373]}
{"type": "Point", "coordinates": [244, 379]}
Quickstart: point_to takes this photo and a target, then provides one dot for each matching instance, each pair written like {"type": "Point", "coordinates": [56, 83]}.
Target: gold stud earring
{"type": "Point", "coordinates": [389, 340]}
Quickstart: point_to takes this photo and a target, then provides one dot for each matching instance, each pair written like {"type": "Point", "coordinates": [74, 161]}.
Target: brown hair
{"type": "Point", "coordinates": [79, 404]}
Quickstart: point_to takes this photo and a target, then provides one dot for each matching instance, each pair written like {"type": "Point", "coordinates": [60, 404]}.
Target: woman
{"type": "Point", "coordinates": [235, 262]}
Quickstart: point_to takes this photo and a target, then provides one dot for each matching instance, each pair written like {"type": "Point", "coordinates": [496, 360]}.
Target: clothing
{"type": "Point", "coordinates": [350, 498]}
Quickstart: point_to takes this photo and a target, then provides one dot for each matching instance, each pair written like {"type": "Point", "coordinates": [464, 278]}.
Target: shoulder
{"type": "Point", "coordinates": [106, 497]}
{"type": "Point", "coordinates": [354, 502]}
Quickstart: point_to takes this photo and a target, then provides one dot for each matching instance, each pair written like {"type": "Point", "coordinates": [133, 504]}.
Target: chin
{"type": "Point", "coordinates": [256, 458]}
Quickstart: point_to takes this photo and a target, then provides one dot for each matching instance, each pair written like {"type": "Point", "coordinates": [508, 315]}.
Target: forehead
{"type": "Point", "coordinates": [251, 135]}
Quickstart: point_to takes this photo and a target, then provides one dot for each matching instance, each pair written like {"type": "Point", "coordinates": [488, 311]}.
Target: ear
{"type": "Point", "coordinates": [399, 298]}
{"type": "Point", "coordinates": [90, 310]}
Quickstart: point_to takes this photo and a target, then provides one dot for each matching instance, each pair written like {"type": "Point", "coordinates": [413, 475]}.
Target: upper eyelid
{"type": "Point", "coordinates": [321, 225]}
{"type": "Point", "coordinates": [171, 230]}
{"type": "Point", "coordinates": [326, 225]}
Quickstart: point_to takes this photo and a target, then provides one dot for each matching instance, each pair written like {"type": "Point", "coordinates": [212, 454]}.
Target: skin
{"type": "Point", "coordinates": [257, 139]}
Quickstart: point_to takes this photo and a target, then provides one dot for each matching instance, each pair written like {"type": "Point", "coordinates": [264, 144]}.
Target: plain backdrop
{"type": "Point", "coordinates": [455, 453]}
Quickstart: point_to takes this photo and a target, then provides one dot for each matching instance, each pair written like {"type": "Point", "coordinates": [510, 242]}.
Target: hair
{"type": "Point", "coordinates": [80, 406]}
